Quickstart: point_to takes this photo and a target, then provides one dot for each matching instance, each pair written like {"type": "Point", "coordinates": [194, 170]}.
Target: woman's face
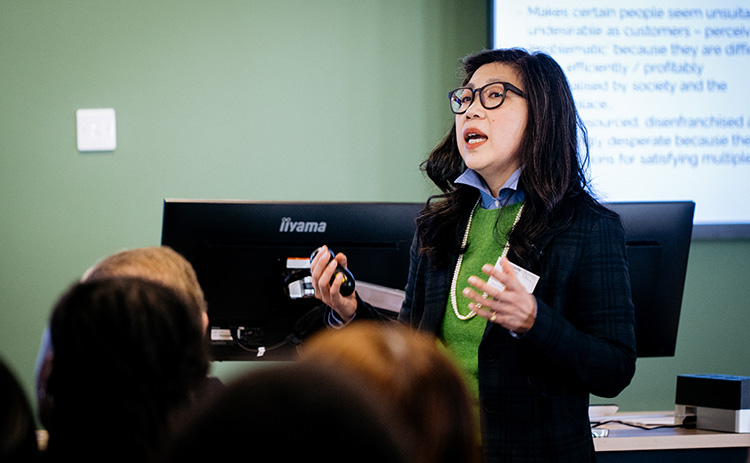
{"type": "Point", "coordinates": [489, 139]}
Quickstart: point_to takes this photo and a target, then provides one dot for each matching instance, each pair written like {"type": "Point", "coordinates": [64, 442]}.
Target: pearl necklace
{"type": "Point", "coordinates": [454, 283]}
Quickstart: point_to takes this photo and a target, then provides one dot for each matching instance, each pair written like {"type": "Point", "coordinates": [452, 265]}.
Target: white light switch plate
{"type": "Point", "coordinates": [96, 129]}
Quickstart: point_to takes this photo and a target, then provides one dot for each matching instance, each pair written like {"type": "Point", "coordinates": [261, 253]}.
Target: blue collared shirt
{"type": "Point", "coordinates": [509, 193]}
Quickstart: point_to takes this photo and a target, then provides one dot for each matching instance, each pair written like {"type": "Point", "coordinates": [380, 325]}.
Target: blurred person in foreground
{"type": "Point", "coordinates": [411, 371]}
{"type": "Point", "coordinates": [17, 428]}
{"type": "Point", "coordinates": [127, 357]}
{"type": "Point", "coordinates": [296, 411]}
{"type": "Point", "coordinates": [160, 264]}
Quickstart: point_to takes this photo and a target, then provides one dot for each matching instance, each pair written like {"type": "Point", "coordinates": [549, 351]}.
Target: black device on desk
{"type": "Point", "coordinates": [252, 261]}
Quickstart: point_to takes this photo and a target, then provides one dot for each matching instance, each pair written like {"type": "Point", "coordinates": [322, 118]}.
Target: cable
{"type": "Point", "coordinates": [260, 351]}
{"type": "Point", "coordinates": [596, 424]}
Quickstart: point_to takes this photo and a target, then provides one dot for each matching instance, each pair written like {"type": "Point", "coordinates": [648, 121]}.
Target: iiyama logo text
{"type": "Point", "coordinates": [301, 227]}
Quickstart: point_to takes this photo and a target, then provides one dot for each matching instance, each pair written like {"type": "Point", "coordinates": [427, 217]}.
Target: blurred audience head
{"type": "Point", "coordinates": [158, 263]}
{"type": "Point", "coordinates": [126, 353]}
{"type": "Point", "coordinates": [294, 412]}
{"type": "Point", "coordinates": [17, 427]}
{"type": "Point", "coordinates": [414, 373]}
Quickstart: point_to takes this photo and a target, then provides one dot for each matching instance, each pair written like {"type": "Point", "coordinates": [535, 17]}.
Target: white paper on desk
{"type": "Point", "coordinates": [526, 278]}
{"type": "Point", "coordinates": [382, 297]}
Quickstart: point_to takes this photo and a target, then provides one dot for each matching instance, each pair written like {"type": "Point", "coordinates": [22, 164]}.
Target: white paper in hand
{"type": "Point", "coordinates": [526, 278]}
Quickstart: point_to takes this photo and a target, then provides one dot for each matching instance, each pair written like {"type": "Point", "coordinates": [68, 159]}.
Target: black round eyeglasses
{"type": "Point", "coordinates": [491, 96]}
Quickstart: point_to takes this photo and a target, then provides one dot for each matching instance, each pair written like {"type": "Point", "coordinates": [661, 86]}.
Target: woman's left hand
{"type": "Point", "coordinates": [513, 307]}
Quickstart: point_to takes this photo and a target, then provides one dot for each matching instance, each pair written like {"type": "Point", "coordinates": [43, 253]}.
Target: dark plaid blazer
{"type": "Point", "coordinates": [534, 390]}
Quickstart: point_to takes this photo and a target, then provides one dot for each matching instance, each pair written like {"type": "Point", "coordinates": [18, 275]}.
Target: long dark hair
{"type": "Point", "coordinates": [553, 166]}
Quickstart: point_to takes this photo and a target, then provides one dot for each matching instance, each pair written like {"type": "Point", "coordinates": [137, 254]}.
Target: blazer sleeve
{"type": "Point", "coordinates": [585, 314]}
{"type": "Point", "coordinates": [413, 290]}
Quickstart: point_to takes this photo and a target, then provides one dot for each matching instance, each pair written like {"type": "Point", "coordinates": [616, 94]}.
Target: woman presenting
{"type": "Point", "coordinates": [553, 321]}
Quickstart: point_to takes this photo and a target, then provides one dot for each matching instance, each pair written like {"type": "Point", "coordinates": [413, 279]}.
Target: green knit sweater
{"type": "Point", "coordinates": [485, 244]}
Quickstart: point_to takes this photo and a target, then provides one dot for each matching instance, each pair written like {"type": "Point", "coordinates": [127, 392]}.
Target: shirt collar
{"type": "Point", "coordinates": [509, 192]}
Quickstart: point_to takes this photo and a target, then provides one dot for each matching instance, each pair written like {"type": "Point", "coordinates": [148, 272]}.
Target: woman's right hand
{"type": "Point", "coordinates": [322, 269]}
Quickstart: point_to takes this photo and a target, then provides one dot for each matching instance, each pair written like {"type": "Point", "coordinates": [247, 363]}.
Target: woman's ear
{"type": "Point", "coordinates": [204, 320]}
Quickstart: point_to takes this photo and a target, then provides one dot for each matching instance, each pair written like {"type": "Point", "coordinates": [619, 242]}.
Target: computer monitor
{"type": "Point", "coordinates": [658, 238]}
{"type": "Point", "coordinates": [252, 259]}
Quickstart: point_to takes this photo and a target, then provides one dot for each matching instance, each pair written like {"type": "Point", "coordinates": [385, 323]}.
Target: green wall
{"type": "Point", "coordinates": [263, 100]}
